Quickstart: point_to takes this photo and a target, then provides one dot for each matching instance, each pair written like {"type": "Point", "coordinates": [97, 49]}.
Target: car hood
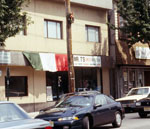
{"type": "Point", "coordinates": [62, 112]}
{"type": "Point", "coordinates": [133, 97]}
{"type": "Point", "coordinates": [25, 124]}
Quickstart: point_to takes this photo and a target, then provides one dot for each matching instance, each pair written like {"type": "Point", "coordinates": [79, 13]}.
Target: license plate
{"type": "Point", "coordinates": [146, 108]}
{"type": "Point", "coordinates": [52, 123]}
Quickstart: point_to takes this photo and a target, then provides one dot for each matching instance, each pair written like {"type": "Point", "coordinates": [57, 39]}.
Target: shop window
{"type": "Point", "coordinates": [58, 81]}
{"type": "Point", "coordinates": [52, 29]}
{"type": "Point", "coordinates": [92, 34]}
{"type": "Point", "coordinates": [86, 79]}
{"type": "Point", "coordinates": [17, 86]}
{"type": "Point", "coordinates": [125, 79]}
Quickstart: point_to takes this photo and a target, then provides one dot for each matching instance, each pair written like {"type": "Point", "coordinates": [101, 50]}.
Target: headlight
{"type": "Point", "coordinates": [68, 118]}
{"type": "Point", "coordinates": [138, 104]}
{"type": "Point", "coordinates": [134, 101]}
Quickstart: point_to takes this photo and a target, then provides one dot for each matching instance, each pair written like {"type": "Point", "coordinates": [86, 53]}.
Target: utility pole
{"type": "Point", "coordinates": [69, 21]}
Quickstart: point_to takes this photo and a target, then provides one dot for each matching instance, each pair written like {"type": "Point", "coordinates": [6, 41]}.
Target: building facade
{"type": "Point", "coordinates": [33, 66]}
{"type": "Point", "coordinates": [131, 64]}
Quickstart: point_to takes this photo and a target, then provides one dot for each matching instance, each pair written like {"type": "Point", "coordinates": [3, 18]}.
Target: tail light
{"type": "Point", "coordinates": [48, 127]}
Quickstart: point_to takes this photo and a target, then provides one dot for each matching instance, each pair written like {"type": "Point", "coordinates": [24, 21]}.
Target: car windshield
{"type": "Point", "coordinates": [10, 112]}
{"type": "Point", "coordinates": [141, 91]}
{"type": "Point", "coordinates": [76, 101]}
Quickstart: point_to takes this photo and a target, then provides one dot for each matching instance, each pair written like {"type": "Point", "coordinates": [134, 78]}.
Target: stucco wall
{"type": "Point", "coordinates": [39, 10]}
{"type": "Point", "coordinates": [36, 85]}
{"type": "Point", "coordinates": [107, 4]}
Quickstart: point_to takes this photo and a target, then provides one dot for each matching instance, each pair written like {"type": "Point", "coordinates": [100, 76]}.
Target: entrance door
{"type": "Point", "coordinates": [146, 78]}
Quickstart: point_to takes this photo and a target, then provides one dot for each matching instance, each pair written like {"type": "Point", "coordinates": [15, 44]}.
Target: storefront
{"type": "Point", "coordinates": [132, 67]}
{"type": "Point", "coordinates": [87, 76]}
{"type": "Point", "coordinates": [37, 79]}
{"type": "Point", "coordinates": [132, 77]}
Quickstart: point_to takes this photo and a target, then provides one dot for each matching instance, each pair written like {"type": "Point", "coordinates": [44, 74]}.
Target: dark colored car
{"type": "Point", "coordinates": [84, 110]}
{"type": "Point", "coordinates": [13, 117]}
{"type": "Point", "coordinates": [143, 107]}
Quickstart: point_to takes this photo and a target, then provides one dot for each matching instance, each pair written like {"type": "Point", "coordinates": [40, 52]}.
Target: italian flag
{"type": "Point", "coordinates": [47, 61]}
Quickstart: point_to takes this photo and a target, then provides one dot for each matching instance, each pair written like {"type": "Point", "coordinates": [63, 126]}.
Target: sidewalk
{"type": "Point", "coordinates": [33, 114]}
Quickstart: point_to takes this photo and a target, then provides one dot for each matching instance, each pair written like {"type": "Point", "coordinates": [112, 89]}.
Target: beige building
{"type": "Point", "coordinates": [36, 61]}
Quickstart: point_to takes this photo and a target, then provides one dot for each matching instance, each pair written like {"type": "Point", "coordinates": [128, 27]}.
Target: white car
{"type": "Point", "coordinates": [14, 117]}
{"type": "Point", "coordinates": [133, 96]}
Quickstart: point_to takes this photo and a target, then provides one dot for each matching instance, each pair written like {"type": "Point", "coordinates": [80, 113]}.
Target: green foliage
{"type": "Point", "coordinates": [136, 15]}
{"type": "Point", "coordinates": [11, 19]}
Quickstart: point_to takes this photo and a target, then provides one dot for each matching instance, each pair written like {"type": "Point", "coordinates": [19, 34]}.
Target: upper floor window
{"type": "Point", "coordinates": [24, 29]}
{"type": "Point", "coordinates": [93, 33]}
{"type": "Point", "coordinates": [52, 29]}
{"type": "Point", "coordinates": [121, 23]}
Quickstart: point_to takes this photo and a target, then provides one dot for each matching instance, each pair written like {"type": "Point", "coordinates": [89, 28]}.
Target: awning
{"type": "Point", "coordinates": [47, 61]}
{"type": "Point", "coordinates": [61, 62]}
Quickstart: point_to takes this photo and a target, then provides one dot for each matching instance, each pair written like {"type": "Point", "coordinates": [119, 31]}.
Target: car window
{"type": "Point", "coordinates": [141, 91]}
{"type": "Point", "coordinates": [100, 100]}
{"type": "Point", "coordinates": [10, 112]}
{"type": "Point", "coordinates": [109, 100]}
{"type": "Point", "coordinates": [76, 101]}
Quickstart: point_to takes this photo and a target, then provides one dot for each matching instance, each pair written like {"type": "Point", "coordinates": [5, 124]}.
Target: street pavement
{"type": "Point", "coordinates": [131, 121]}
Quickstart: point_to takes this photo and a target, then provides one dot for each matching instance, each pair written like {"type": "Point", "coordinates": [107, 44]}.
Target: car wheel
{"type": "Point", "coordinates": [118, 121]}
{"type": "Point", "coordinates": [86, 123]}
{"type": "Point", "coordinates": [142, 114]}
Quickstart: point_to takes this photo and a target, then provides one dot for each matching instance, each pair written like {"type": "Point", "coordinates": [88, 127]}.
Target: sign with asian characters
{"type": "Point", "coordinates": [5, 57]}
{"type": "Point", "coordinates": [87, 61]}
{"type": "Point", "coordinates": [142, 53]}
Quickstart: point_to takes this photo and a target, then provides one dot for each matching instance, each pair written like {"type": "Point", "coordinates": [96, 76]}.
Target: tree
{"type": "Point", "coordinates": [136, 15]}
{"type": "Point", "coordinates": [12, 20]}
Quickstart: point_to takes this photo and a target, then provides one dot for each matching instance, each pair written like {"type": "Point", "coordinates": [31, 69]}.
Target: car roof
{"type": "Point", "coordinates": [5, 102]}
{"type": "Point", "coordinates": [142, 87]}
{"type": "Point", "coordinates": [81, 93]}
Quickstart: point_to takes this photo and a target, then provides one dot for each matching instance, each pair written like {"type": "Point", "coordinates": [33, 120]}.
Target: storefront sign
{"type": "Point", "coordinates": [49, 93]}
{"type": "Point", "coordinates": [87, 61]}
{"type": "Point", "coordinates": [5, 57]}
{"type": "Point", "coordinates": [142, 53]}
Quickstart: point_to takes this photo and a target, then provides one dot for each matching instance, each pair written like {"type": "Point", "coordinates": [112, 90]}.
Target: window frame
{"type": "Point", "coordinates": [61, 29]}
{"type": "Point", "coordinates": [99, 33]}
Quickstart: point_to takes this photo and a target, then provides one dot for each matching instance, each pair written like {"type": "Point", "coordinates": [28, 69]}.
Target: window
{"type": "Point", "coordinates": [92, 34]}
{"type": "Point", "coordinates": [52, 29]}
{"type": "Point", "coordinates": [121, 21]}
{"type": "Point", "coordinates": [100, 100]}
{"type": "Point", "coordinates": [24, 30]}
{"type": "Point", "coordinates": [10, 112]}
{"type": "Point", "coordinates": [17, 86]}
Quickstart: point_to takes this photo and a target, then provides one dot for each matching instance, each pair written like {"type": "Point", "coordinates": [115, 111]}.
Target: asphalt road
{"type": "Point", "coordinates": [131, 121]}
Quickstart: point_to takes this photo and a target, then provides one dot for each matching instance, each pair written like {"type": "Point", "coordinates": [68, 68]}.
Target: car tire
{"type": "Point", "coordinates": [118, 120]}
{"type": "Point", "coordinates": [86, 123]}
{"type": "Point", "coordinates": [142, 114]}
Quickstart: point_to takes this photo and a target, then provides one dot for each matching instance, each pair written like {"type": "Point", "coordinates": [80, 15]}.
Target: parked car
{"type": "Point", "coordinates": [14, 117]}
{"type": "Point", "coordinates": [84, 110]}
{"type": "Point", "coordinates": [143, 107]}
{"type": "Point", "coordinates": [134, 96]}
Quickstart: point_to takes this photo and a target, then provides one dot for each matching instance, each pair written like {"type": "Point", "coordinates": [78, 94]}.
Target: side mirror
{"type": "Point", "coordinates": [97, 105]}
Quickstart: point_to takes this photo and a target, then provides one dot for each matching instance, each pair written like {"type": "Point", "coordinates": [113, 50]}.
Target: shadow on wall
{"type": "Point", "coordinates": [101, 48]}
{"type": "Point", "coordinates": [126, 55]}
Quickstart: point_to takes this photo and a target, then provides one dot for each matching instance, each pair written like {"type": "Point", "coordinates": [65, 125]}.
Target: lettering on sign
{"type": "Point", "coordinates": [91, 61]}
{"type": "Point", "coordinates": [5, 57]}
{"type": "Point", "coordinates": [142, 53]}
